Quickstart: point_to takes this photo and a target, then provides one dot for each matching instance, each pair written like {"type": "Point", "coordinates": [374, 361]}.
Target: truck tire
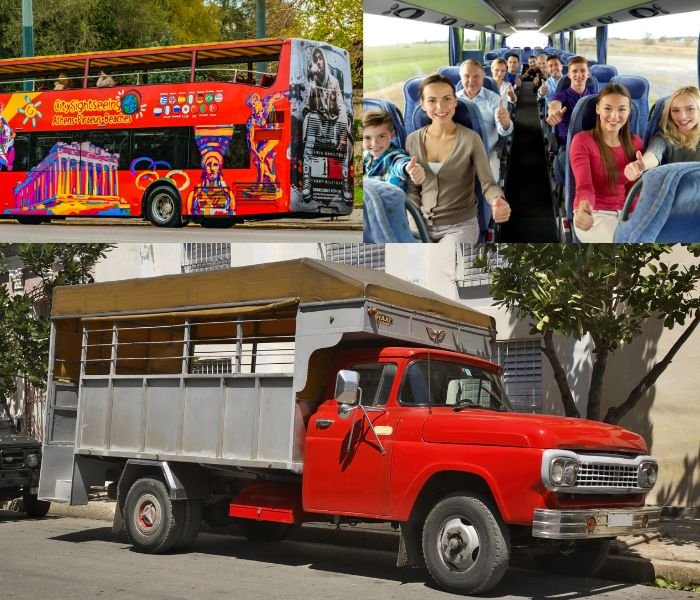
{"type": "Point", "coordinates": [163, 207]}
{"type": "Point", "coordinates": [193, 521]}
{"type": "Point", "coordinates": [582, 558]}
{"type": "Point", "coordinates": [263, 531]}
{"type": "Point", "coordinates": [153, 522]}
{"type": "Point", "coordinates": [34, 507]}
{"type": "Point", "coordinates": [466, 544]}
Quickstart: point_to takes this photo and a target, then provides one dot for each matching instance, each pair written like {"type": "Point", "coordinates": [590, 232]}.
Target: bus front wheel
{"type": "Point", "coordinates": [163, 207]}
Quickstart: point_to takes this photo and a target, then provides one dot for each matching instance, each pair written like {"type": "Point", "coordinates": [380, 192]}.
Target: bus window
{"type": "Point", "coordinates": [662, 49]}
{"type": "Point", "coordinates": [393, 54]}
{"type": "Point", "coordinates": [44, 142]}
{"type": "Point", "coordinates": [586, 44]}
{"type": "Point", "coordinates": [238, 156]}
{"type": "Point", "coordinates": [21, 162]}
{"type": "Point", "coordinates": [162, 145]}
{"type": "Point", "coordinates": [114, 141]}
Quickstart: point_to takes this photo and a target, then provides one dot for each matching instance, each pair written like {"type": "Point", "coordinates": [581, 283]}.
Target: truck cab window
{"type": "Point", "coordinates": [376, 380]}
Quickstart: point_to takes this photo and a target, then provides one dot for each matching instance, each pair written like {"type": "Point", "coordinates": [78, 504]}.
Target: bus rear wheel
{"type": "Point", "coordinates": [163, 207]}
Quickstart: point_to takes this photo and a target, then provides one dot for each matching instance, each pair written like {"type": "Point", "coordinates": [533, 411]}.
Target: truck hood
{"type": "Point", "coordinates": [480, 427]}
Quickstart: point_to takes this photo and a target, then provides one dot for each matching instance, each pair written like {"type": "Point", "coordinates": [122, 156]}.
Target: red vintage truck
{"type": "Point", "coordinates": [306, 391]}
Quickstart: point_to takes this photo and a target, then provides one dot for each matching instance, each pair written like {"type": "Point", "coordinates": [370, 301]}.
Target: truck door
{"type": "Point", "coordinates": [347, 469]}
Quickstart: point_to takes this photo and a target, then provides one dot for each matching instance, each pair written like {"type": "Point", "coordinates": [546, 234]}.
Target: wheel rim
{"type": "Point", "coordinates": [148, 514]}
{"type": "Point", "coordinates": [458, 544]}
{"type": "Point", "coordinates": [163, 207]}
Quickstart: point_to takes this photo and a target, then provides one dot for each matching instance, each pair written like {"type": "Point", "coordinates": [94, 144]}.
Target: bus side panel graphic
{"type": "Point", "coordinates": [321, 95]}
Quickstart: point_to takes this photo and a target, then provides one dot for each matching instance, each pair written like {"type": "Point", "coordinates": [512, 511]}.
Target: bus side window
{"type": "Point", "coordinates": [168, 145]}
{"type": "Point", "coordinates": [114, 141]}
{"type": "Point", "coordinates": [237, 157]}
{"type": "Point", "coordinates": [22, 152]}
{"type": "Point", "coordinates": [44, 142]}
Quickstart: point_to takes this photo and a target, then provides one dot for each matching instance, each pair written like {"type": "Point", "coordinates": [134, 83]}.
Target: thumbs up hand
{"type": "Point", "coordinates": [415, 171]}
{"type": "Point", "coordinates": [544, 90]}
{"type": "Point", "coordinates": [555, 116]}
{"type": "Point", "coordinates": [500, 210]}
{"type": "Point", "coordinates": [634, 170]}
{"type": "Point", "coordinates": [583, 215]}
{"type": "Point", "coordinates": [502, 115]}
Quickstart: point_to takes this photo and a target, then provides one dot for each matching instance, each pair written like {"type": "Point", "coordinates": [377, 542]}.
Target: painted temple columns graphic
{"type": "Point", "coordinates": [70, 170]}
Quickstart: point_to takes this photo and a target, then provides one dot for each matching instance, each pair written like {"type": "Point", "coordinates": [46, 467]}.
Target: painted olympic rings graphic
{"type": "Point", "coordinates": [145, 177]}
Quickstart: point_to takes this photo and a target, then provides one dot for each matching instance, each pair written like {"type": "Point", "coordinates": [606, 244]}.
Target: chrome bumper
{"type": "Point", "coordinates": [576, 524]}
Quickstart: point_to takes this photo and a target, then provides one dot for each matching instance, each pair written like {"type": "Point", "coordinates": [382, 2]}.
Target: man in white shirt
{"type": "Point", "coordinates": [548, 88]}
{"type": "Point", "coordinates": [494, 112]}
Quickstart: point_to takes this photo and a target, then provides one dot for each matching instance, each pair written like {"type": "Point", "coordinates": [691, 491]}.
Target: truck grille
{"type": "Point", "coordinates": [591, 474]}
{"type": "Point", "coordinates": [12, 459]}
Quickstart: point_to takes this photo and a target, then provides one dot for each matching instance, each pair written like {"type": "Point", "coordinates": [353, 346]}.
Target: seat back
{"type": "Point", "coordinates": [654, 121]}
{"type": "Point", "coordinates": [467, 114]}
{"type": "Point", "coordinates": [396, 116]}
{"type": "Point", "coordinates": [668, 210]}
{"type": "Point", "coordinates": [638, 88]}
{"type": "Point", "coordinates": [411, 96]}
{"type": "Point", "coordinates": [384, 218]}
{"type": "Point", "coordinates": [603, 73]}
{"type": "Point", "coordinates": [493, 54]}
{"type": "Point", "coordinates": [583, 118]}
{"type": "Point", "coordinates": [490, 84]}
{"type": "Point", "coordinates": [452, 73]}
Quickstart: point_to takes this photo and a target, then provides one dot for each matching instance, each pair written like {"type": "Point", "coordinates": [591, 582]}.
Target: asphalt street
{"type": "Point", "coordinates": [67, 558]}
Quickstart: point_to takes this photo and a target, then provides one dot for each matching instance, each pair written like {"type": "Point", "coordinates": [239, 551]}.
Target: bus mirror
{"type": "Point", "coordinates": [347, 385]}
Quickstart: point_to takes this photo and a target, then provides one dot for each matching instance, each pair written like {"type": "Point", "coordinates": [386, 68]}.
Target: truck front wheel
{"type": "Point", "coordinates": [34, 507]}
{"type": "Point", "coordinates": [580, 558]}
{"type": "Point", "coordinates": [154, 523]}
{"type": "Point", "coordinates": [465, 544]}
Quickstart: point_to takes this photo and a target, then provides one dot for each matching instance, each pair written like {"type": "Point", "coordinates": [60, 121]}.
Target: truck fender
{"type": "Point", "coordinates": [183, 480]}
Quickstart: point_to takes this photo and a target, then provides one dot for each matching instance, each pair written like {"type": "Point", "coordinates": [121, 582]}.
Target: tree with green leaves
{"type": "Point", "coordinates": [24, 318]}
{"type": "Point", "coordinates": [606, 291]}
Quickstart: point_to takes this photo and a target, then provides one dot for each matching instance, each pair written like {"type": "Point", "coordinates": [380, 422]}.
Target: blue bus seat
{"type": "Point", "coordinates": [565, 82]}
{"type": "Point", "coordinates": [396, 116]}
{"type": "Point", "coordinates": [411, 97]}
{"type": "Point", "coordinates": [452, 73]}
{"type": "Point", "coordinates": [477, 55]}
{"type": "Point", "coordinates": [603, 73]}
{"type": "Point", "coordinates": [654, 119]}
{"type": "Point", "coordinates": [638, 88]}
{"type": "Point", "coordinates": [385, 219]}
{"type": "Point", "coordinates": [583, 118]}
{"type": "Point", "coordinates": [467, 114]}
{"type": "Point", "coordinates": [668, 210]}
{"type": "Point", "coordinates": [492, 55]}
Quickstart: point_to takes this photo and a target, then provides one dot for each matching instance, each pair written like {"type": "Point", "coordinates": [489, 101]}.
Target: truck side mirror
{"type": "Point", "coordinates": [347, 385]}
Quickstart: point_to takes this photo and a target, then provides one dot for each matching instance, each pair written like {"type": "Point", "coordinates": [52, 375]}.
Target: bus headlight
{"type": "Point", "coordinates": [648, 472]}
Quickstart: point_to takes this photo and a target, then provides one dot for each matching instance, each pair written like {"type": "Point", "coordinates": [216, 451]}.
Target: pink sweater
{"type": "Point", "coordinates": [587, 165]}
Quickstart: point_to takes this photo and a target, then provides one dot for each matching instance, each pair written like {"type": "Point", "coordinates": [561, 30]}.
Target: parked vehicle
{"type": "Point", "coordinates": [303, 391]}
{"type": "Point", "coordinates": [20, 459]}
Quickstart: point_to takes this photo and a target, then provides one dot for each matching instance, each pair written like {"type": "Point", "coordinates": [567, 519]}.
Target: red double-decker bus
{"type": "Point", "coordinates": [210, 133]}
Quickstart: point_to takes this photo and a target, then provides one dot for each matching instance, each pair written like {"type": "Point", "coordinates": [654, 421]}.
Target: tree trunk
{"type": "Point", "coordinates": [616, 413]}
{"type": "Point", "coordinates": [567, 398]}
{"type": "Point", "coordinates": [595, 392]}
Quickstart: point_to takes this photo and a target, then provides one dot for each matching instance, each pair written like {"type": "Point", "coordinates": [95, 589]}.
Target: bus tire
{"type": "Point", "coordinates": [153, 522]}
{"type": "Point", "coordinates": [465, 544]}
{"type": "Point", "coordinates": [163, 207]}
{"type": "Point", "coordinates": [218, 222]}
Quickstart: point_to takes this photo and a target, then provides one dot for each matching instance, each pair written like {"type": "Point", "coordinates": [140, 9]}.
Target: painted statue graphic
{"type": "Point", "coordinates": [7, 142]}
{"type": "Point", "coordinates": [212, 196]}
{"type": "Point", "coordinates": [262, 119]}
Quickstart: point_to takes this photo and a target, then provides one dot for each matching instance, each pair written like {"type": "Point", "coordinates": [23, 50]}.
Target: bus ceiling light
{"type": "Point", "coordinates": [528, 9]}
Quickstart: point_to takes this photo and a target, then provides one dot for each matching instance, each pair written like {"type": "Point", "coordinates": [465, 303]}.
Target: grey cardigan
{"type": "Point", "coordinates": [449, 197]}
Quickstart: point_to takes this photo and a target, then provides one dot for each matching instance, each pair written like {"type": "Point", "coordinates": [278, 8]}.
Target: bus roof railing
{"type": "Point", "coordinates": [162, 57]}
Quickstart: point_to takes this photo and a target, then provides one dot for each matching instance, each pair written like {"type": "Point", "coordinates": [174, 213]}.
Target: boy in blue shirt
{"type": "Point", "coordinates": [382, 158]}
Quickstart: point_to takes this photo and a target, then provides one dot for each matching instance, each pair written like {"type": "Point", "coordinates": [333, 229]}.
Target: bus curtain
{"type": "Point", "coordinates": [492, 41]}
{"type": "Point", "coordinates": [456, 44]}
{"type": "Point", "coordinates": [562, 42]}
{"type": "Point", "coordinates": [601, 43]}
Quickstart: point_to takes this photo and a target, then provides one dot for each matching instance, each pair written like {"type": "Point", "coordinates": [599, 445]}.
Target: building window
{"type": "Point", "coordinates": [469, 275]}
{"type": "Point", "coordinates": [205, 257]}
{"type": "Point", "coordinates": [358, 255]}
{"type": "Point", "coordinates": [522, 373]}
{"type": "Point", "coordinates": [211, 366]}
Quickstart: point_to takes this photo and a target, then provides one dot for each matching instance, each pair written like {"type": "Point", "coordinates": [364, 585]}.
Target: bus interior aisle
{"type": "Point", "coordinates": [527, 184]}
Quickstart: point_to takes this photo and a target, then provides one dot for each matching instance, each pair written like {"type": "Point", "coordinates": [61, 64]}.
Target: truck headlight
{"type": "Point", "coordinates": [648, 472]}
{"type": "Point", "coordinates": [32, 460]}
{"type": "Point", "coordinates": [563, 471]}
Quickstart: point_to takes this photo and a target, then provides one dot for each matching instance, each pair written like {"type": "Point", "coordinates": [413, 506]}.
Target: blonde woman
{"type": "Point", "coordinates": [678, 138]}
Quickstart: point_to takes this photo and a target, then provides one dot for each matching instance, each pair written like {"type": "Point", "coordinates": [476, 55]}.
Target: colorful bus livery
{"type": "Point", "coordinates": [213, 133]}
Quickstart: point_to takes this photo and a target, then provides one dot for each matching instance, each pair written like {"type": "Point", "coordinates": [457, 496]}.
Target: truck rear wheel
{"type": "Point", "coordinates": [465, 544]}
{"type": "Point", "coordinates": [581, 558]}
{"type": "Point", "coordinates": [193, 521]}
{"type": "Point", "coordinates": [34, 507]}
{"type": "Point", "coordinates": [263, 531]}
{"type": "Point", "coordinates": [154, 523]}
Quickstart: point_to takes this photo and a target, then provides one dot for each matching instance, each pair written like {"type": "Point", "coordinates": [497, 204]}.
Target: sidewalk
{"type": "Point", "coordinates": [673, 553]}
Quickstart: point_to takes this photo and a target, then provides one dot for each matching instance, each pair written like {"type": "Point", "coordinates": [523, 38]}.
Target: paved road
{"type": "Point", "coordinates": [111, 232]}
{"type": "Point", "coordinates": [79, 559]}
